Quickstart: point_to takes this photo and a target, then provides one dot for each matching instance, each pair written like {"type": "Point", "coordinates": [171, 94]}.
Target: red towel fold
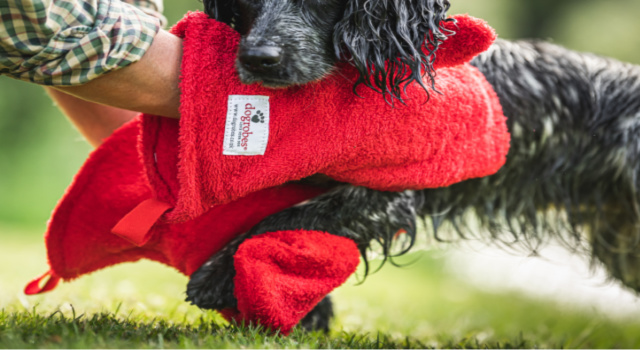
{"type": "Point", "coordinates": [111, 184]}
{"type": "Point", "coordinates": [287, 134]}
{"type": "Point", "coordinates": [280, 276]}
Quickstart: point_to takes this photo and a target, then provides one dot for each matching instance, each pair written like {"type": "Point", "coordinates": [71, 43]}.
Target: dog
{"type": "Point", "coordinates": [572, 172]}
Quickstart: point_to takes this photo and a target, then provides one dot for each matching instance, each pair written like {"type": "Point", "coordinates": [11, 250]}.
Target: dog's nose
{"type": "Point", "coordinates": [260, 58]}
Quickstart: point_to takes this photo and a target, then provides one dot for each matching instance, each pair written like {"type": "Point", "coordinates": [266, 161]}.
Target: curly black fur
{"type": "Point", "coordinates": [392, 43]}
{"type": "Point", "coordinates": [572, 170]}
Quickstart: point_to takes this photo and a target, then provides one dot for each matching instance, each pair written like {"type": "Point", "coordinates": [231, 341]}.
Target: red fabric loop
{"type": "Point", "coordinates": [34, 287]}
{"type": "Point", "coordinates": [135, 226]}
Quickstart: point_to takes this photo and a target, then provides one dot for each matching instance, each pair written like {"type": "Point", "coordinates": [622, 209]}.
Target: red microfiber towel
{"type": "Point", "coordinates": [178, 191]}
{"type": "Point", "coordinates": [235, 139]}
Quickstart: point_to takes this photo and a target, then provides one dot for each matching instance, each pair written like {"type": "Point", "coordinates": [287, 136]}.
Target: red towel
{"type": "Point", "coordinates": [114, 210]}
{"type": "Point", "coordinates": [287, 134]}
{"type": "Point", "coordinates": [112, 183]}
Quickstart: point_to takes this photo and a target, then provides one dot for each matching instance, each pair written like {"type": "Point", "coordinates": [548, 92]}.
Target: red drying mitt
{"type": "Point", "coordinates": [281, 276]}
{"type": "Point", "coordinates": [235, 139]}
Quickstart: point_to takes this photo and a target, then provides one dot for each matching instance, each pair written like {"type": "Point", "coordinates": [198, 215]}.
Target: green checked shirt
{"type": "Point", "coordinates": [70, 42]}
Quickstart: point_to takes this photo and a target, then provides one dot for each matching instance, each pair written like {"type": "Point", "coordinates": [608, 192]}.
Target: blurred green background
{"type": "Point", "coordinates": [40, 151]}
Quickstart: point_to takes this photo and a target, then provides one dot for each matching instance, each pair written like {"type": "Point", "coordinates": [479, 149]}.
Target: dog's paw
{"type": "Point", "coordinates": [211, 286]}
{"type": "Point", "coordinates": [318, 319]}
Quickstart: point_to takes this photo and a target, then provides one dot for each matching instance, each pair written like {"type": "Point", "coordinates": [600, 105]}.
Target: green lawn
{"type": "Point", "coordinates": [140, 306]}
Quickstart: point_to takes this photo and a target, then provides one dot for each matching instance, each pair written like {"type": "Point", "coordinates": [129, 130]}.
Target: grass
{"type": "Point", "coordinates": [140, 306]}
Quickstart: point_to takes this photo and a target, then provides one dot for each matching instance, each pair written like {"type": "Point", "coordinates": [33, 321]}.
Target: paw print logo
{"type": "Point", "coordinates": [258, 117]}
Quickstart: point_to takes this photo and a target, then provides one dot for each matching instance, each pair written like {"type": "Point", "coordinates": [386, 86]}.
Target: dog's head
{"type": "Point", "coordinates": [289, 42]}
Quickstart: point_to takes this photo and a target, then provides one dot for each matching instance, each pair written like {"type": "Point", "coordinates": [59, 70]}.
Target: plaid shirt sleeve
{"type": "Point", "coordinates": [70, 42]}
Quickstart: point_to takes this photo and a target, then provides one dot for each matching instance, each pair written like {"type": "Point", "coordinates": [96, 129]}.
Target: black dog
{"type": "Point", "coordinates": [572, 171]}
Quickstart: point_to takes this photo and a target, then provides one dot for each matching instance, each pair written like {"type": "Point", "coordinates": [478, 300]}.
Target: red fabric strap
{"type": "Point", "coordinates": [34, 287]}
{"type": "Point", "coordinates": [135, 226]}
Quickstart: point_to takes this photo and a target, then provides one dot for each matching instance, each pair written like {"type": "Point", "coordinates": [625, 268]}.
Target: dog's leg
{"type": "Point", "coordinates": [616, 243]}
{"type": "Point", "coordinates": [354, 212]}
{"type": "Point", "coordinates": [357, 213]}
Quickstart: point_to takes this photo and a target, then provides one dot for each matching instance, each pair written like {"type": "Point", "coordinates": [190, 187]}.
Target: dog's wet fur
{"type": "Point", "coordinates": [571, 173]}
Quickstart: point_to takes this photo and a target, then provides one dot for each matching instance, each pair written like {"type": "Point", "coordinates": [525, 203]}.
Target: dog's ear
{"type": "Point", "coordinates": [221, 10]}
{"type": "Point", "coordinates": [392, 42]}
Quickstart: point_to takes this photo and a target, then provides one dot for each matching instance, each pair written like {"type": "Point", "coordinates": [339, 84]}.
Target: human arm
{"type": "Point", "coordinates": [93, 49]}
{"type": "Point", "coordinates": [149, 85]}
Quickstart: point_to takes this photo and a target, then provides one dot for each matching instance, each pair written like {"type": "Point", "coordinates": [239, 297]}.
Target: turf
{"type": "Point", "coordinates": [418, 306]}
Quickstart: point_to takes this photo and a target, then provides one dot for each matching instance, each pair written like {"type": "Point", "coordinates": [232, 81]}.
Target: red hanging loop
{"type": "Point", "coordinates": [36, 287]}
{"type": "Point", "coordinates": [135, 226]}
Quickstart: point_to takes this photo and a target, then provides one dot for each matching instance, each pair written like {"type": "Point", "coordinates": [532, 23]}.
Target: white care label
{"type": "Point", "coordinates": [246, 132]}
